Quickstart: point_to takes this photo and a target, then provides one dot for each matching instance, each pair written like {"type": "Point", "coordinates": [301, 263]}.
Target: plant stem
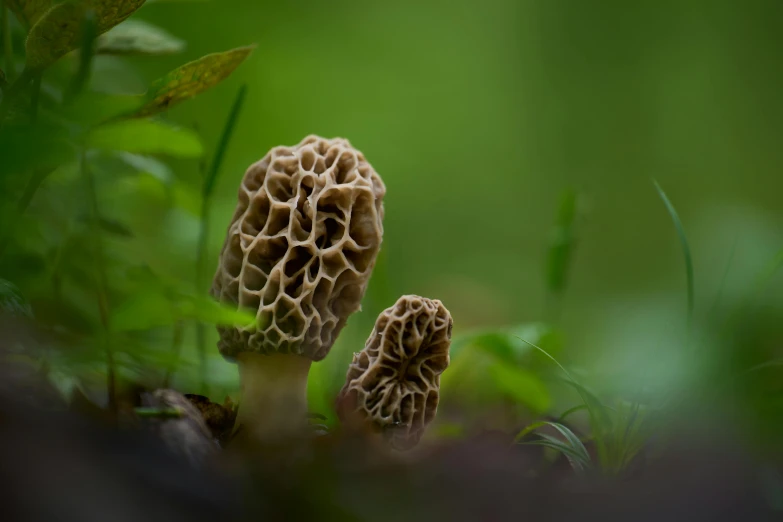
{"type": "Point", "coordinates": [203, 236]}
{"type": "Point", "coordinates": [101, 283]}
{"type": "Point", "coordinates": [560, 253]}
{"type": "Point", "coordinates": [200, 258]}
{"type": "Point", "coordinates": [176, 348]}
{"type": "Point", "coordinates": [86, 52]}
{"type": "Point", "coordinates": [8, 46]}
{"type": "Point", "coordinates": [158, 413]}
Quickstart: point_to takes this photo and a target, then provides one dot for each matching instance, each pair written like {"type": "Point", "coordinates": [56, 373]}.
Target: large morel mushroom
{"type": "Point", "coordinates": [299, 252]}
{"type": "Point", "coordinates": [393, 384]}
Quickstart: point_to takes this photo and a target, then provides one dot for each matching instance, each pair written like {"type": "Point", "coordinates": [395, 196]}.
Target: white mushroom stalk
{"type": "Point", "coordinates": [393, 385]}
{"type": "Point", "coordinates": [299, 252]}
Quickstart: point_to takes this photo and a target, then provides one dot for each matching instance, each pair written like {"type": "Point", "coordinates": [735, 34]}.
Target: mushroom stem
{"type": "Point", "coordinates": [273, 406]}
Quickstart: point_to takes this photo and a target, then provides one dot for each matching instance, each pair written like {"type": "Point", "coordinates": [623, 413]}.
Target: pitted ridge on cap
{"type": "Point", "coordinates": [300, 248]}
{"type": "Point", "coordinates": [393, 384]}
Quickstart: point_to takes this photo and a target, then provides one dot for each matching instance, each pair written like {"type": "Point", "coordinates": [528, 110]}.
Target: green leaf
{"type": "Point", "coordinates": [209, 311]}
{"type": "Point", "coordinates": [686, 250]}
{"type": "Point", "coordinates": [507, 345]}
{"type": "Point", "coordinates": [600, 414]}
{"type": "Point", "coordinates": [572, 448]}
{"type": "Point", "coordinates": [138, 37]}
{"type": "Point", "coordinates": [24, 148]}
{"type": "Point", "coordinates": [94, 108]}
{"type": "Point", "coordinates": [523, 386]}
{"type": "Point", "coordinates": [599, 418]}
{"type": "Point", "coordinates": [59, 31]}
{"type": "Point", "coordinates": [148, 165]}
{"type": "Point", "coordinates": [114, 227]}
{"type": "Point", "coordinates": [143, 311]}
{"type": "Point", "coordinates": [574, 458]}
{"type": "Point", "coordinates": [191, 79]}
{"type": "Point", "coordinates": [570, 411]}
{"type": "Point", "coordinates": [29, 11]}
{"type": "Point", "coordinates": [146, 137]}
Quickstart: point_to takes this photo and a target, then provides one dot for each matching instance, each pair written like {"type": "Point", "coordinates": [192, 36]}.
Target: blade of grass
{"type": "Point", "coordinates": [572, 439]}
{"type": "Point", "coordinates": [574, 457]}
{"type": "Point", "coordinates": [206, 196]}
{"type": "Point", "coordinates": [686, 250]}
{"type": "Point", "coordinates": [225, 138]}
{"type": "Point", "coordinates": [569, 411]}
{"type": "Point", "coordinates": [724, 278]}
{"type": "Point", "coordinates": [768, 364]}
{"type": "Point", "coordinates": [627, 434]}
{"type": "Point", "coordinates": [595, 421]}
{"type": "Point", "coordinates": [528, 430]}
{"type": "Point", "coordinates": [561, 248]}
{"type": "Point", "coordinates": [101, 283]}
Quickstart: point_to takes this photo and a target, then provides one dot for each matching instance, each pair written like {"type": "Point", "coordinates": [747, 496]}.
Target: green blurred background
{"type": "Point", "coordinates": [478, 115]}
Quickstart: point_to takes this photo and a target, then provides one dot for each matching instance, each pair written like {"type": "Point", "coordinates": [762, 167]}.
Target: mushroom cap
{"type": "Point", "coordinates": [300, 247]}
{"type": "Point", "coordinates": [393, 384]}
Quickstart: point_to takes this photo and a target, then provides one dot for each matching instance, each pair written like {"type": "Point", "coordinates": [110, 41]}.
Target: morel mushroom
{"type": "Point", "coordinates": [299, 251]}
{"type": "Point", "coordinates": [392, 386]}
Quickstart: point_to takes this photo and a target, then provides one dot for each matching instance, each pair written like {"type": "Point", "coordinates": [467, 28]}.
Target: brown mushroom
{"type": "Point", "coordinates": [299, 252]}
{"type": "Point", "coordinates": [392, 386]}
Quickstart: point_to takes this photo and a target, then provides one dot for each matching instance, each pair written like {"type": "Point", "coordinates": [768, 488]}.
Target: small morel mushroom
{"type": "Point", "coordinates": [299, 251]}
{"type": "Point", "coordinates": [392, 386]}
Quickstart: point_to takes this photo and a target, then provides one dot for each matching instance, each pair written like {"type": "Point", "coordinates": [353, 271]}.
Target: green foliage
{"type": "Point", "coordinates": [138, 37]}
{"type": "Point", "coordinates": [29, 11]}
{"type": "Point", "coordinates": [561, 245]}
{"type": "Point", "coordinates": [146, 137]}
{"type": "Point", "coordinates": [59, 30]}
{"type": "Point", "coordinates": [206, 194]}
{"type": "Point", "coordinates": [619, 432]}
{"type": "Point", "coordinates": [191, 79]}
{"type": "Point", "coordinates": [492, 366]}
{"type": "Point", "coordinates": [686, 250]}
{"type": "Point", "coordinates": [65, 148]}
{"type": "Point", "coordinates": [111, 247]}
{"type": "Point", "coordinates": [570, 445]}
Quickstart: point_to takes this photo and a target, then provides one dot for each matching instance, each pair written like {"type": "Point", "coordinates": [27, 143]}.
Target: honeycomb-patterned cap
{"type": "Point", "coordinates": [300, 248]}
{"type": "Point", "coordinates": [393, 384]}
